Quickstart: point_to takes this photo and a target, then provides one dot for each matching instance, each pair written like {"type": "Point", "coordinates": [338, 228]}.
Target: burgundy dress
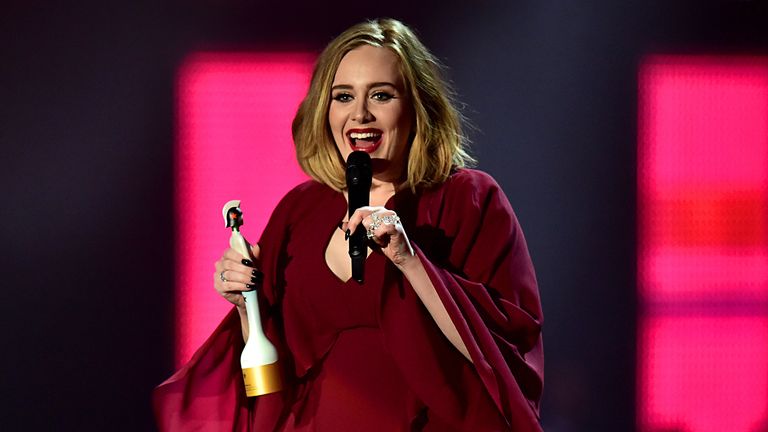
{"type": "Point", "coordinates": [369, 357]}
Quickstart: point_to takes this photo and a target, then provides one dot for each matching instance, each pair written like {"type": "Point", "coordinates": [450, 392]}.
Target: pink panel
{"type": "Point", "coordinates": [234, 142]}
{"type": "Point", "coordinates": [706, 216]}
{"type": "Point", "coordinates": [703, 120]}
{"type": "Point", "coordinates": [704, 374]}
{"type": "Point", "coordinates": [677, 273]}
{"type": "Point", "coordinates": [703, 244]}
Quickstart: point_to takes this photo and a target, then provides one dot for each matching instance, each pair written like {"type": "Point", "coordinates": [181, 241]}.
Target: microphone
{"type": "Point", "coordinates": [359, 175]}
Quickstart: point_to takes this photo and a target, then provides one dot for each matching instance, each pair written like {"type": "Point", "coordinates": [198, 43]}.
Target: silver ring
{"type": "Point", "coordinates": [375, 224]}
{"type": "Point", "coordinates": [378, 220]}
{"type": "Point", "coordinates": [221, 275]}
{"type": "Point", "coordinates": [390, 219]}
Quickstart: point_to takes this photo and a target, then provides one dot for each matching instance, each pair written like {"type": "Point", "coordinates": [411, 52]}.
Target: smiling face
{"type": "Point", "coordinates": [371, 111]}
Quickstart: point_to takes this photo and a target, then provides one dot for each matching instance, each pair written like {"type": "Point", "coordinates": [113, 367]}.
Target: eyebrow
{"type": "Point", "coordinates": [372, 85]}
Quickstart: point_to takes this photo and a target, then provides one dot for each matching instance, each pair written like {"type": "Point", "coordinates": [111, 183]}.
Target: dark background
{"type": "Point", "coordinates": [86, 128]}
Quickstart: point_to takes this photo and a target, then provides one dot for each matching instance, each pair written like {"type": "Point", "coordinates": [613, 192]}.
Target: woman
{"type": "Point", "coordinates": [445, 332]}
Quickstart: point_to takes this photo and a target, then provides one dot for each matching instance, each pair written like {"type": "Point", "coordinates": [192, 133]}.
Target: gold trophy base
{"type": "Point", "coordinates": [261, 380]}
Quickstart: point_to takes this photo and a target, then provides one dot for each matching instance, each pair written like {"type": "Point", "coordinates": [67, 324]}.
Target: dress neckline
{"type": "Point", "coordinates": [339, 205]}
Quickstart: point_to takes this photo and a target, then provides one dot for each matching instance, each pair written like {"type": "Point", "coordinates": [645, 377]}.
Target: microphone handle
{"type": "Point", "coordinates": [358, 197]}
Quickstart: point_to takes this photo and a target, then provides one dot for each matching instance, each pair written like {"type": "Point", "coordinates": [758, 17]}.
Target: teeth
{"type": "Point", "coordinates": [363, 135]}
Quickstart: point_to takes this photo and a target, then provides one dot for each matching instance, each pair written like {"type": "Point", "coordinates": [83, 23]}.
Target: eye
{"type": "Point", "coordinates": [382, 96]}
{"type": "Point", "coordinates": [342, 97]}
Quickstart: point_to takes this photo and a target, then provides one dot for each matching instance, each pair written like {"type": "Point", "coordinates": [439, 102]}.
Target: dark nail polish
{"type": "Point", "coordinates": [256, 279]}
{"type": "Point", "coordinates": [250, 287]}
{"type": "Point", "coordinates": [346, 234]}
{"type": "Point", "coordinates": [247, 262]}
{"type": "Point", "coordinates": [257, 273]}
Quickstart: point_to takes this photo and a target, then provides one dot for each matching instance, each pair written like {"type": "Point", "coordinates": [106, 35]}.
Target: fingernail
{"type": "Point", "coordinates": [247, 262]}
{"type": "Point", "coordinates": [346, 234]}
{"type": "Point", "coordinates": [256, 279]}
{"type": "Point", "coordinates": [257, 273]}
{"type": "Point", "coordinates": [250, 287]}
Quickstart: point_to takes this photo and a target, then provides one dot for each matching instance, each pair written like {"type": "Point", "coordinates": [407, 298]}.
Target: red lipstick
{"type": "Point", "coordinates": [364, 139]}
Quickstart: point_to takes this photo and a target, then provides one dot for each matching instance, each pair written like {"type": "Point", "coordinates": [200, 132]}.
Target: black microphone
{"type": "Point", "coordinates": [359, 175]}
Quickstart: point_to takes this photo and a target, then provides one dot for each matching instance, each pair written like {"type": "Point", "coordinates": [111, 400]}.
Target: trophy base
{"type": "Point", "coordinates": [261, 380]}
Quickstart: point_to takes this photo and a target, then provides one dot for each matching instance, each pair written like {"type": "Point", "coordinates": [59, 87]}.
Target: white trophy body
{"type": "Point", "coordinates": [259, 358]}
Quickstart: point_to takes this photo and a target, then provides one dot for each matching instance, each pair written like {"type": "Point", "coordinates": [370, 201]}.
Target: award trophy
{"type": "Point", "coordinates": [261, 372]}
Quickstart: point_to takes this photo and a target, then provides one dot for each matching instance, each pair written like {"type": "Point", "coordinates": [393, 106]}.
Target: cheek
{"type": "Point", "coordinates": [337, 130]}
{"type": "Point", "coordinates": [404, 126]}
{"type": "Point", "coordinates": [336, 123]}
{"type": "Point", "coordinates": [402, 118]}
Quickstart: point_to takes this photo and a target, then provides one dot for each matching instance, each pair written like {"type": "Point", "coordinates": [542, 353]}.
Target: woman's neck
{"type": "Point", "coordinates": [381, 191]}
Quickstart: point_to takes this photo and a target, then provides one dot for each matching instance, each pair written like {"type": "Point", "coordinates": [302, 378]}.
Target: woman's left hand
{"type": "Point", "coordinates": [384, 228]}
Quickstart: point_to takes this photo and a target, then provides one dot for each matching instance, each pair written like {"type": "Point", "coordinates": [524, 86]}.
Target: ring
{"type": "Point", "coordinates": [221, 275]}
{"type": "Point", "coordinates": [375, 224]}
{"type": "Point", "coordinates": [378, 220]}
{"type": "Point", "coordinates": [390, 219]}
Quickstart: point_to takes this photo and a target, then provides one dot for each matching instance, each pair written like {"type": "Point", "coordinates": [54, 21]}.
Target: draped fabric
{"type": "Point", "coordinates": [354, 354]}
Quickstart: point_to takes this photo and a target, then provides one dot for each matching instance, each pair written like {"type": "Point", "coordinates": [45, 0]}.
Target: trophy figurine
{"type": "Point", "coordinates": [261, 372]}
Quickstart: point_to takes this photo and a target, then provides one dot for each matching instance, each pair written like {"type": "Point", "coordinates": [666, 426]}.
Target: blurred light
{"type": "Point", "coordinates": [233, 142]}
{"type": "Point", "coordinates": [703, 244]}
{"type": "Point", "coordinates": [704, 374]}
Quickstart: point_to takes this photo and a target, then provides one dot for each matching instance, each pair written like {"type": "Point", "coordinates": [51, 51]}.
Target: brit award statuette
{"type": "Point", "coordinates": [261, 372]}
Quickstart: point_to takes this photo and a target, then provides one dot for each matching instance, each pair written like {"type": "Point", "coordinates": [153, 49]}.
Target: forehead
{"type": "Point", "coordinates": [368, 64]}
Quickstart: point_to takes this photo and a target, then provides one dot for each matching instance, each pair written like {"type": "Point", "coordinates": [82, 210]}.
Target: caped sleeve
{"type": "Point", "coordinates": [204, 394]}
{"type": "Point", "coordinates": [477, 259]}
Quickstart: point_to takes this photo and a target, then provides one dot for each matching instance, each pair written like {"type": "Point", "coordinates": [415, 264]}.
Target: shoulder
{"type": "Point", "coordinates": [471, 179]}
{"type": "Point", "coordinates": [306, 189]}
{"type": "Point", "coordinates": [296, 202]}
{"type": "Point", "coordinates": [309, 187]}
{"type": "Point", "coordinates": [476, 195]}
{"type": "Point", "coordinates": [301, 197]}
{"type": "Point", "coordinates": [472, 187]}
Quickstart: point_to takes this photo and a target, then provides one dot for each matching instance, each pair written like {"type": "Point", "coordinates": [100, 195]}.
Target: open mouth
{"type": "Point", "coordinates": [367, 140]}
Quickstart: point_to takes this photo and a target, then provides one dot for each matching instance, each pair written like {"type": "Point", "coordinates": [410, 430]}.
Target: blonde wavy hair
{"type": "Point", "coordinates": [438, 145]}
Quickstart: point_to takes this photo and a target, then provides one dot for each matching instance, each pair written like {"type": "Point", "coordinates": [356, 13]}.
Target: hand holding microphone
{"type": "Point", "coordinates": [377, 224]}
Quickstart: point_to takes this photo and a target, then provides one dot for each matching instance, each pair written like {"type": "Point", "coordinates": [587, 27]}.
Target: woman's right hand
{"type": "Point", "coordinates": [235, 274]}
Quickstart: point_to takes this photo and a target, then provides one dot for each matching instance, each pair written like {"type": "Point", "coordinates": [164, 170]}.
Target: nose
{"type": "Point", "coordinates": [361, 113]}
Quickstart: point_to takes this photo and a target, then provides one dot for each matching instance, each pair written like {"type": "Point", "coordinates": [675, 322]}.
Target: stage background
{"type": "Point", "coordinates": [87, 132]}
